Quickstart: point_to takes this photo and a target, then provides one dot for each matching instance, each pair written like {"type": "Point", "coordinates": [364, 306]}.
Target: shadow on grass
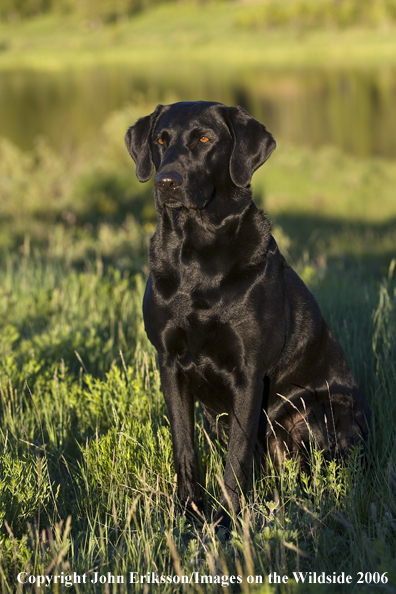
{"type": "Point", "coordinates": [356, 247]}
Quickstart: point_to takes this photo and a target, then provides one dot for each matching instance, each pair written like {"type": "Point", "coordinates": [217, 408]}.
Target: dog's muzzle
{"type": "Point", "coordinates": [167, 182]}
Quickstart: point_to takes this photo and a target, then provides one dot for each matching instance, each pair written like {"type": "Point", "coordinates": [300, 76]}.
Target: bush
{"type": "Point", "coordinates": [88, 205]}
{"type": "Point", "coordinates": [310, 14]}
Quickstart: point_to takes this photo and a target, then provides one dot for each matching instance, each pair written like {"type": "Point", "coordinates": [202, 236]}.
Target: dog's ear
{"type": "Point", "coordinates": [253, 144]}
{"type": "Point", "coordinates": [137, 140]}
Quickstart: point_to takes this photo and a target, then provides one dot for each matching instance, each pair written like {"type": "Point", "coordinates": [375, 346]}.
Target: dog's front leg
{"type": "Point", "coordinates": [244, 419]}
{"type": "Point", "coordinates": [180, 405]}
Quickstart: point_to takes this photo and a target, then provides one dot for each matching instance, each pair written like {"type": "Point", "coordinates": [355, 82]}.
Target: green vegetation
{"type": "Point", "coordinates": [86, 473]}
{"type": "Point", "coordinates": [87, 480]}
{"type": "Point", "coordinates": [89, 204]}
{"type": "Point", "coordinates": [71, 204]}
{"type": "Point", "coordinates": [102, 10]}
{"type": "Point", "coordinates": [267, 13]}
{"type": "Point", "coordinates": [313, 14]}
{"type": "Point", "coordinates": [188, 35]}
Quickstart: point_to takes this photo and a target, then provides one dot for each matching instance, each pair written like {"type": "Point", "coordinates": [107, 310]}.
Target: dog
{"type": "Point", "coordinates": [233, 324]}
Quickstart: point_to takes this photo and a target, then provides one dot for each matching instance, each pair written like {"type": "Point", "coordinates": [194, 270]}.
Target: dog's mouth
{"type": "Point", "coordinates": [175, 204]}
{"type": "Point", "coordinates": [172, 203]}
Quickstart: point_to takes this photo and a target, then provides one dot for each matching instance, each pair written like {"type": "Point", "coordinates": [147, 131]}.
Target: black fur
{"type": "Point", "coordinates": [233, 324]}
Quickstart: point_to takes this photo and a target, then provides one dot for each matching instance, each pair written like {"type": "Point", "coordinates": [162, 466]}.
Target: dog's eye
{"type": "Point", "coordinates": [160, 141]}
{"type": "Point", "coordinates": [204, 139]}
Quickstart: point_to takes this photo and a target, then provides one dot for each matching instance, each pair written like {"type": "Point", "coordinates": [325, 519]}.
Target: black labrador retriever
{"type": "Point", "coordinates": [233, 324]}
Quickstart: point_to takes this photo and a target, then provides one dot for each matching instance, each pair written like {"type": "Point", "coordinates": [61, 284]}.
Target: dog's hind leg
{"type": "Point", "coordinates": [261, 442]}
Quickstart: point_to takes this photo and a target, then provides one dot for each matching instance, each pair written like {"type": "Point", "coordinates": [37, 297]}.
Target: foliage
{"type": "Point", "coordinates": [317, 14]}
{"type": "Point", "coordinates": [85, 436]}
{"type": "Point", "coordinates": [299, 14]}
{"type": "Point", "coordinates": [24, 8]}
{"type": "Point", "coordinates": [105, 10]}
{"type": "Point", "coordinates": [77, 207]}
{"type": "Point", "coordinates": [102, 11]}
{"type": "Point", "coordinates": [188, 34]}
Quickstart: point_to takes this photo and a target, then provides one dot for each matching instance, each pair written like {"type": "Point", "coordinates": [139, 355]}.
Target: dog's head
{"type": "Point", "coordinates": [199, 149]}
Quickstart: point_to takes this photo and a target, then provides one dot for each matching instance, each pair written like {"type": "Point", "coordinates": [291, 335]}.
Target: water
{"type": "Point", "coordinates": [354, 110]}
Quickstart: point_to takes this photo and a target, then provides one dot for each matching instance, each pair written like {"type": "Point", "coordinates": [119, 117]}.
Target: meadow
{"type": "Point", "coordinates": [87, 478]}
{"type": "Point", "coordinates": [87, 483]}
{"type": "Point", "coordinates": [175, 36]}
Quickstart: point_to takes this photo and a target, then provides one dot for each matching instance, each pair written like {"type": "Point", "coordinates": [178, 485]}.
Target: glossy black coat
{"type": "Point", "coordinates": [233, 324]}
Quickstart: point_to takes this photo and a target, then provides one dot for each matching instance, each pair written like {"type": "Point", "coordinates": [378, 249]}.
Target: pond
{"type": "Point", "coordinates": [353, 110]}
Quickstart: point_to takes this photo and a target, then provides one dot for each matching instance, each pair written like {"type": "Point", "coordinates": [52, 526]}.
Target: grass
{"type": "Point", "coordinates": [85, 437]}
{"type": "Point", "coordinates": [189, 34]}
{"type": "Point", "coordinates": [87, 482]}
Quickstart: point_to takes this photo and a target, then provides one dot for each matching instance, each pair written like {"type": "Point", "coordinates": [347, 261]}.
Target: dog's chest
{"type": "Point", "coordinates": [202, 307]}
{"type": "Point", "coordinates": [201, 328]}
{"type": "Point", "coordinates": [209, 350]}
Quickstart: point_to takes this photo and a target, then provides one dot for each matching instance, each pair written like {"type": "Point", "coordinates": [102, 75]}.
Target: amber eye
{"type": "Point", "coordinates": [204, 139]}
{"type": "Point", "coordinates": [160, 141]}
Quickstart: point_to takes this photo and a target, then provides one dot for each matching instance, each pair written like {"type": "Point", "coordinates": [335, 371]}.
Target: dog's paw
{"type": "Point", "coordinates": [222, 523]}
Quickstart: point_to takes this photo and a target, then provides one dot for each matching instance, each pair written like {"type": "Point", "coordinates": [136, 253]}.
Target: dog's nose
{"type": "Point", "coordinates": [168, 181]}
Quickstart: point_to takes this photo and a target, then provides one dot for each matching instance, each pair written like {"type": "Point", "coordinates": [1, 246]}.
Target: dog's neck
{"type": "Point", "coordinates": [200, 238]}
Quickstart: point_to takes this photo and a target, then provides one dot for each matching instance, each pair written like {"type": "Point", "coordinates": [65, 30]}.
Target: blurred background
{"type": "Point", "coordinates": [321, 74]}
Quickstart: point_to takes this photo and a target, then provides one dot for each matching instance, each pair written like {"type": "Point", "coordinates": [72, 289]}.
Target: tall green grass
{"type": "Point", "coordinates": [87, 478]}
{"type": "Point", "coordinates": [87, 481]}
